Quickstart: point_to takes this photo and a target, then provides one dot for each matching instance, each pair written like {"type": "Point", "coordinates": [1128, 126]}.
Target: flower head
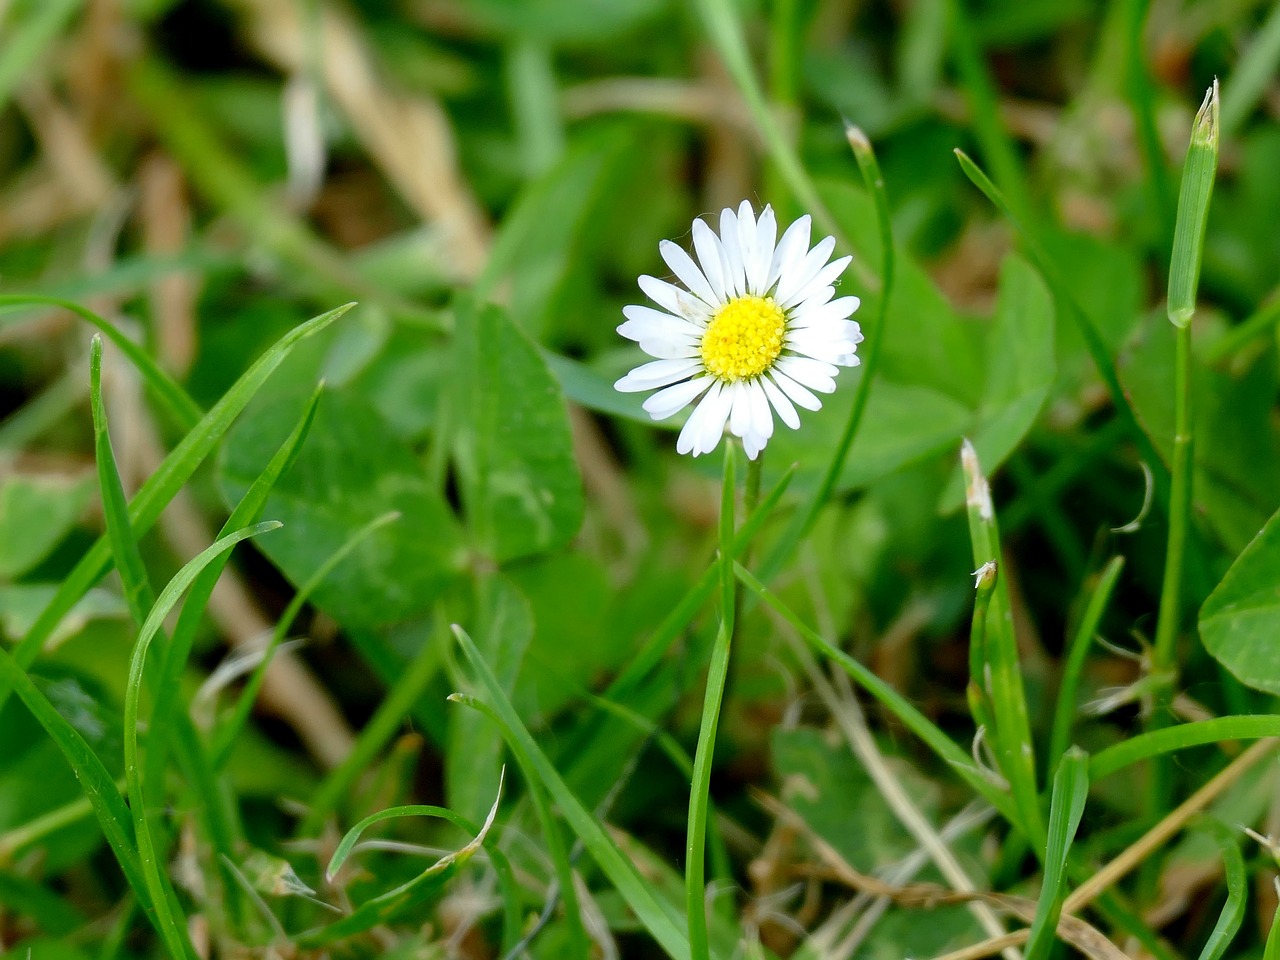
{"type": "Point", "coordinates": [754, 329]}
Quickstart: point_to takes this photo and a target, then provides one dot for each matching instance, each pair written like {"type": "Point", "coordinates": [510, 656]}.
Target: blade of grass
{"type": "Point", "coordinates": [173, 933]}
{"type": "Point", "coordinates": [655, 917]}
{"type": "Point", "coordinates": [1157, 185]}
{"type": "Point", "coordinates": [1224, 931]}
{"type": "Point", "coordinates": [802, 522]}
{"type": "Point", "coordinates": [1077, 652]}
{"type": "Point", "coordinates": [229, 731]}
{"type": "Point", "coordinates": [695, 850]}
{"type": "Point", "coordinates": [1084, 323]}
{"type": "Point", "coordinates": [1001, 671]}
{"type": "Point", "coordinates": [385, 907]}
{"type": "Point", "coordinates": [894, 702]}
{"type": "Point", "coordinates": [1156, 743]}
{"type": "Point", "coordinates": [161, 487]}
{"type": "Point", "coordinates": [185, 411]}
{"type": "Point", "coordinates": [178, 650]}
{"type": "Point", "coordinates": [1258, 324]}
{"type": "Point", "coordinates": [1066, 806]}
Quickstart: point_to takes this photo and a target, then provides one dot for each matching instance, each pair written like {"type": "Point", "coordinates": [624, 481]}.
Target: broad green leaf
{"type": "Point", "coordinates": [21, 605]}
{"type": "Point", "coordinates": [473, 760]}
{"type": "Point", "coordinates": [350, 471]}
{"type": "Point", "coordinates": [35, 514]}
{"type": "Point", "coordinates": [511, 441]}
{"type": "Point", "coordinates": [1240, 622]}
{"type": "Point", "coordinates": [1020, 370]}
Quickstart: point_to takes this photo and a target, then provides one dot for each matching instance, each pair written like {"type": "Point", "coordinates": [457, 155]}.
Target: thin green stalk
{"type": "Point", "coordinates": [1077, 652]}
{"type": "Point", "coordinates": [1258, 324]}
{"type": "Point", "coordinates": [1224, 931]}
{"type": "Point", "coordinates": [1156, 743]}
{"type": "Point", "coordinates": [1070, 791]}
{"type": "Point", "coordinates": [1184, 275]}
{"type": "Point", "coordinates": [535, 104]}
{"type": "Point", "coordinates": [1001, 671]}
{"type": "Point", "coordinates": [1272, 949]}
{"type": "Point", "coordinates": [804, 519]}
{"type": "Point", "coordinates": [979, 700]}
{"type": "Point", "coordinates": [695, 887]}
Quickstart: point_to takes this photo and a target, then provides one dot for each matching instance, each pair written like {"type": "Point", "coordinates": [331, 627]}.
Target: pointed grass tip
{"type": "Point", "coordinates": [977, 492]}
{"type": "Point", "coordinates": [1204, 129]}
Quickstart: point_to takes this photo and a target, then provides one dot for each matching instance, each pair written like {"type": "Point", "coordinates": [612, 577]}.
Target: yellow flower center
{"type": "Point", "coordinates": [744, 338]}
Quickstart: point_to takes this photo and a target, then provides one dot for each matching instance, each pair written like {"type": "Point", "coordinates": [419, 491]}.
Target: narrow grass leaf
{"type": "Point", "coordinates": [1198, 174]}
{"type": "Point", "coordinates": [386, 907]}
{"type": "Point", "coordinates": [173, 933]}
{"type": "Point", "coordinates": [163, 484]}
{"type": "Point", "coordinates": [176, 401]}
{"type": "Point", "coordinates": [1224, 931]}
{"type": "Point", "coordinates": [1253, 73]}
{"type": "Point", "coordinates": [656, 918]}
{"type": "Point", "coordinates": [1156, 743]}
{"type": "Point", "coordinates": [1066, 806]}
{"type": "Point", "coordinates": [1077, 652]}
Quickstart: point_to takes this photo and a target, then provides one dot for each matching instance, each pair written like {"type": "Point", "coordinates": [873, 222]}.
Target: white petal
{"type": "Point", "coordinates": [823, 279]}
{"type": "Point", "coordinates": [798, 394]}
{"type": "Point", "coordinates": [790, 250]}
{"type": "Point", "coordinates": [827, 330]}
{"type": "Point", "coordinates": [800, 273]}
{"type": "Point", "coordinates": [711, 257]}
{"type": "Point", "coordinates": [823, 348]}
{"type": "Point", "coordinates": [689, 432]}
{"type": "Point", "coordinates": [814, 374]}
{"type": "Point", "coordinates": [670, 400]}
{"type": "Point", "coordinates": [735, 282]}
{"type": "Point", "coordinates": [747, 242]}
{"type": "Point", "coordinates": [675, 300]}
{"type": "Point", "coordinates": [649, 321]}
{"type": "Point", "coordinates": [761, 415]}
{"type": "Point", "coordinates": [659, 373]}
{"type": "Point", "coordinates": [687, 271]}
{"type": "Point", "coordinates": [740, 416]}
{"type": "Point", "coordinates": [786, 412]}
{"type": "Point", "coordinates": [758, 268]}
{"type": "Point", "coordinates": [810, 314]}
{"type": "Point", "coordinates": [848, 360]}
{"type": "Point", "coordinates": [752, 446]}
{"type": "Point", "coordinates": [712, 412]}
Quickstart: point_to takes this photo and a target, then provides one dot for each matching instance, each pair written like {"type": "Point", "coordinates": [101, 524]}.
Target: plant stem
{"type": "Point", "coordinates": [1179, 506]}
{"type": "Point", "coordinates": [700, 789]}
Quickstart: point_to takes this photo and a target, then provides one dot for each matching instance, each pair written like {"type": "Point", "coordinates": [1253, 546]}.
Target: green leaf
{"type": "Point", "coordinates": [1224, 931]}
{"type": "Point", "coordinates": [511, 440]}
{"type": "Point", "coordinates": [1066, 806]}
{"type": "Point", "coordinates": [35, 514]}
{"type": "Point", "coordinates": [350, 471]}
{"type": "Point", "coordinates": [386, 907]}
{"type": "Point", "coordinates": [1020, 370]}
{"type": "Point", "coordinates": [473, 760]}
{"type": "Point", "coordinates": [1240, 621]}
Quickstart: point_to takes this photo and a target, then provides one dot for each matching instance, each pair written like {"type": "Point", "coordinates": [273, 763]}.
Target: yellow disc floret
{"type": "Point", "coordinates": [744, 338]}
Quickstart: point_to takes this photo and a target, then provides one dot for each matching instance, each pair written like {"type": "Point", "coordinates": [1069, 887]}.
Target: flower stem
{"type": "Point", "coordinates": [718, 670]}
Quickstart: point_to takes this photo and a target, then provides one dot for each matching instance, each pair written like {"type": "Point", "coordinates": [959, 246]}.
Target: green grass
{"type": "Point", "coordinates": [509, 677]}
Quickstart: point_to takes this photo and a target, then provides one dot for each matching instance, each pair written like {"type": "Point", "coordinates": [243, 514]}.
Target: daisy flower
{"type": "Point", "coordinates": [754, 330]}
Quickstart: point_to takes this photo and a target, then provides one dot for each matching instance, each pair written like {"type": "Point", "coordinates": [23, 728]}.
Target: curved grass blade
{"type": "Point", "coordinates": [1066, 806]}
{"type": "Point", "coordinates": [225, 738]}
{"type": "Point", "coordinates": [168, 478]}
{"type": "Point", "coordinates": [1224, 931]}
{"type": "Point", "coordinates": [661, 922]}
{"type": "Point", "coordinates": [176, 400]}
{"type": "Point", "coordinates": [384, 908]}
{"type": "Point", "coordinates": [174, 934]}
{"type": "Point", "coordinates": [1157, 742]}
{"type": "Point", "coordinates": [174, 659]}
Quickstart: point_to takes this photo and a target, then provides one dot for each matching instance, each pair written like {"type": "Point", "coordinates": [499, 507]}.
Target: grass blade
{"type": "Point", "coordinates": [176, 401]}
{"type": "Point", "coordinates": [1253, 73]}
{"type": "Point", "coordinates": [174, 934]}
{"type": "Point", "coordinates": [385, 907]}
{"type": "Point", "coordinates": [1066, 710]}
{"type": "Point", "coordinates": [1169, 739]}
{"type": "Point", "coordinates": [168, 478]}
{"type": "Point", "coordinates": [1224, 931]}
{"type": "Point", "coordinates": [1066, 806]}
{"type": "Point", "coordinates": [1198, 174]}
{"type": "Point", "coordinates": [620, 871]}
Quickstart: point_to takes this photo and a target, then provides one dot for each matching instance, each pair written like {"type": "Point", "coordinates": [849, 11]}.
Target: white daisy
{"type": "Point", "coordinates": [754, 329]}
